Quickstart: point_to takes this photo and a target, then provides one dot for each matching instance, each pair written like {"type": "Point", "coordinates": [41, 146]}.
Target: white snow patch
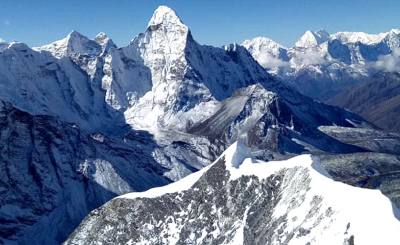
{"type": "Point", "coordinates": [164, 14]}
{"type": "Point", "coordinates": [369, 213]}
{"type": "Point", "coordinates": [350, 204]}
{"type": "Point", "coordinates": [239, 236]}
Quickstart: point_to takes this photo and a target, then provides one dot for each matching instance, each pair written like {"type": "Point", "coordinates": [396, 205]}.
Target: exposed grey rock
{"type": "Point", "coordinates": [248, 209]}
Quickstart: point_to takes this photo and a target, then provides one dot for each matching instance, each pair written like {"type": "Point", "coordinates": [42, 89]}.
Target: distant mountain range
{"type": "Point", "coordinates": [321, 65]}
{"type": "Point", "coordinates": [84, 121]}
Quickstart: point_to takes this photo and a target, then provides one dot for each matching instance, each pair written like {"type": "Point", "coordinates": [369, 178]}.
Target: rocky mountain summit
{"type": "Point", "coordinates": [84, 121]}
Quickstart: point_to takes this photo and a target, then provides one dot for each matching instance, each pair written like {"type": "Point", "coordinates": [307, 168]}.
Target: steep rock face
{"type": "Point", "coordinates": [239, 200]}
{"type": "Point", "coordinates": [42, 84]}
{"type": "Point", "coordinates": [321, 65]}
{"type": "Point", "coordinates": [164, 80]}
{"type": "Point", "coordinates": [277, 124]}
{"type": "Point", "coordinates": [193, 84]}
{"type": "Point", "coordinates": [53, 173]}
{"type": "Point", "coordinates": [186, 77]}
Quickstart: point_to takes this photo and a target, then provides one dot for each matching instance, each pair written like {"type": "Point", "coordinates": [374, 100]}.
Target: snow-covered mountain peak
{"type": "Point", "coordinates": [362, 37]}
{"type": "Point", "coordinates": [166, 30]}
{"type": "Point", "coordinates": [74, 35]}
{"type": "Point", "coordinates": [101, 38]}
{"type": "Point", "coordinates": [321, 64]}
{"type": "Point", "coordinates": [164, 15]}
{"type": "Point", "coordinates": [312, 38]}
{"type": "Point", "coordinates": [261, 43]}
{"type": "Point", "coordinates": [267, 52]}
{"type": "Point", "coordinates": [73, 43]}
{"type": "Point", "coordinates": [104, 41]}
{"type": "Point", "coordinates": [396, 31]}
{"type": "Point", "coordinates": [392, 39]}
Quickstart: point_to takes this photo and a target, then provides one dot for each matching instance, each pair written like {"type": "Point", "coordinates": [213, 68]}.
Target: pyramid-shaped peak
{"type": "Point", "coordinates": [75, 38]}
{"type": "Point", "coordinates": [322, 33]}
{"type": "Point", "coordinates": [76, 35]}
{"type": "Point", "coordinates": [102, 38]}
{"type": "Point", "coordinates": [73, 43]}
{"type": "Point", "coordinates": [312, 38]}
{"type": "Point", "coordinates": [164, 15]}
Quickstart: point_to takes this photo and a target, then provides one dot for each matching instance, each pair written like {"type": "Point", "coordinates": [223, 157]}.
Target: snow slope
{"type": "Point", "coordinates": [279, 202]}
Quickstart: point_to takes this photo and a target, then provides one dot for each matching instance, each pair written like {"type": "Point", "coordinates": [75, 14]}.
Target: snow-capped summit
{"type": "Point", "coordinates": [262, 43]}
{"type": "Point", "coordinates": [392, 39]}
{"type": "Point", "coordinates": [362, 37]}
{"type": "Point", "coordinates": [396, 31]}
{"type": "Point", "coordinates": [163, 43]}
{"type": "Point", "coordinates": [164, 15]}
{"type": "Point", "coordinates": [74, 43]}
{"type": "Point", "coordinates": [321, 64]}
{"type": "Point", "coordinates": [267, 52]}
{"type": "Point", "coordinates": [104, 41]}
{"type": "Point", "coordinates": [101, 38]}
{"type": "Point", "coordinates": [312, 38]}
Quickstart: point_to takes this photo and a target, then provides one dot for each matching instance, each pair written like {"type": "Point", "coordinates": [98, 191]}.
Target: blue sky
{"type": "Point", "coordinates": [212, 22]}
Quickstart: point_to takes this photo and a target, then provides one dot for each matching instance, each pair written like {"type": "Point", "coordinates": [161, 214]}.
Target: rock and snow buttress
{"type": "Point", "coordinates": [241, 200]}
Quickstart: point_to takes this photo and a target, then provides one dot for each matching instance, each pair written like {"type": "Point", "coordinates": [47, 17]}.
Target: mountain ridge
{"type": "Point", "coordinates": [169, 103]}
{"type": "Point", "coordinates": [322, 65]}
{"type": "Point", "coordinates": [233, 201]}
